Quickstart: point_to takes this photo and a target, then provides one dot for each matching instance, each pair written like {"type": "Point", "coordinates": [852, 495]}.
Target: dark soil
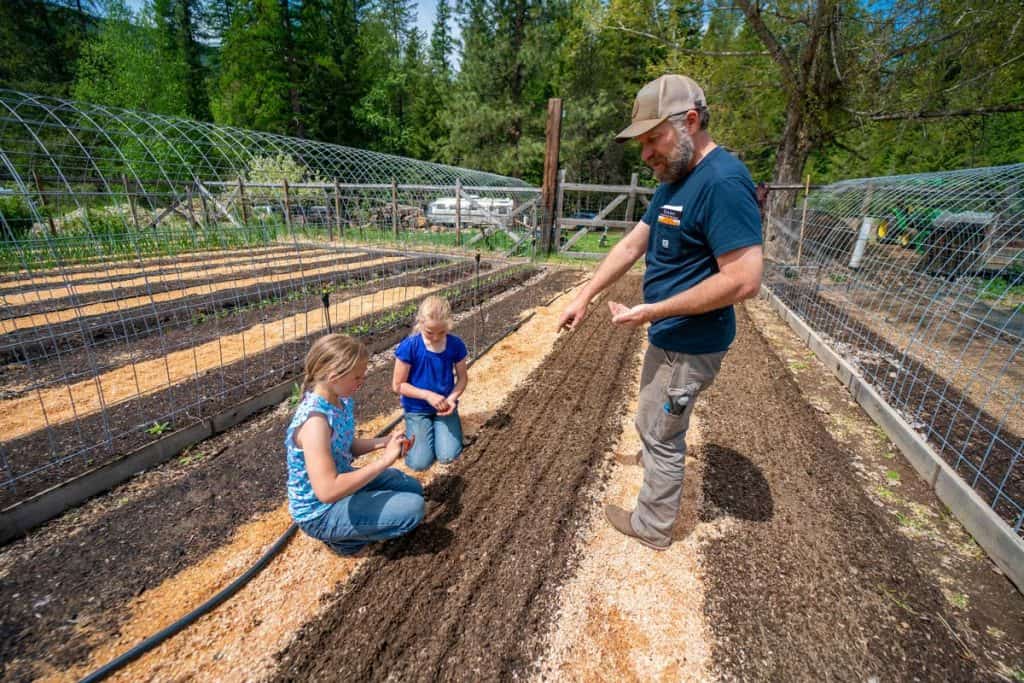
{"type": "Point", "coordinates": [121, 428]}
{"type": "Point", "coordinates": [48, 342]}
{"type": "Point", "coordinates": [813, 582]}
{"type": "Point", "coordinates": [957, 426]}
{"type": "Point", "coordinates": [468, 595]}
{"type": "Point", "coordinates": [90, 571]}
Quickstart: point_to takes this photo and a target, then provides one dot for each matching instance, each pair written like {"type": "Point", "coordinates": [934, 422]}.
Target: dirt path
{"type": "Point", "coordinates": [469, 593]}
{"type": "Point", "coordinates": [92, 583]}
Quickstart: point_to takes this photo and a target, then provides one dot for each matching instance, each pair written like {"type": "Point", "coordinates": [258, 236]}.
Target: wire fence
{"type": "Point", "coordinates": [157, 272]}
{"type": "Point", "coordinates": [918, 281]}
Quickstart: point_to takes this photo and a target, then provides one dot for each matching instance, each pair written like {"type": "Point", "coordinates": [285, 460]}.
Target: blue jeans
{"type": "Point", "coordinates": [389, 506]}
{"type": "Point", "coordinates": [437, 438]}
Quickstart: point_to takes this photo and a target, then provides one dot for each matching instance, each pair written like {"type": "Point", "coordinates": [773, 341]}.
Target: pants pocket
{"type": "Point", "coordinates": [674, 417]}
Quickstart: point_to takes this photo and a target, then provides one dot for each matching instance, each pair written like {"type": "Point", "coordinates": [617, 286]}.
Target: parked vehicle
{"type": "Point", "coordinates": [474, 210]}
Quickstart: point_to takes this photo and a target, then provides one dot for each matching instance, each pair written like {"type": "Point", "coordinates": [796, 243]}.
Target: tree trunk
{"type": "Point", "coordinates": [792, 154]}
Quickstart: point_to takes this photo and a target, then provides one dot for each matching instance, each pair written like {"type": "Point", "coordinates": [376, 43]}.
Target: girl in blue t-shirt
{"type": "Point", "coordinates": [430, 376]}
{"type": "Point", "coordinates": [343, 506]}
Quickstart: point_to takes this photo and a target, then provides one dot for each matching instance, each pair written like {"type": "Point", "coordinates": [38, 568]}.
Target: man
{"type": "Point", "coordinates": [701, 236]}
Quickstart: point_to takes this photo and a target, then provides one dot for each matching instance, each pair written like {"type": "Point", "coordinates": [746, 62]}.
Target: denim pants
{"type": "Point", "coordinates": [389, 506]}
{"type": "Point", "coordinates": [437, 438]}
{"type": "Point", "coordinates": [670, 383]}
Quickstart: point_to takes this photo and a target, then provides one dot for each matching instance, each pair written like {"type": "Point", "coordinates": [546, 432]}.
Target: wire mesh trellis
{"type": "Point", "coordinates": [918, 281]}
{"type": "Point", "coordinates": [155, 271]}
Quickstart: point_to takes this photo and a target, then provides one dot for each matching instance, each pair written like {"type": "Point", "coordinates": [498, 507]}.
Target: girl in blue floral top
{"type": "Point", "coordinates": [345, 507]}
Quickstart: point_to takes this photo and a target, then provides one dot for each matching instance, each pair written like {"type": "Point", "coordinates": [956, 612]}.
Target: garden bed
{"type": "Point", "coordinates": [123, 543]}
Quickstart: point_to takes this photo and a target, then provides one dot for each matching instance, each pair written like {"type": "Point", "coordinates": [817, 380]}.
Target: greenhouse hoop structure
{"type": "Point", "coordinates": [158, 273]}
{"type": "Point", "coordinates": [917, 283]}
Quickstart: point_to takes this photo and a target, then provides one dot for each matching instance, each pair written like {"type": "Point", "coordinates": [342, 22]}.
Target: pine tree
{"type": "Point", "coordinates": [177, 22]}
{"type": "Point", "coordinates": [254, 89]}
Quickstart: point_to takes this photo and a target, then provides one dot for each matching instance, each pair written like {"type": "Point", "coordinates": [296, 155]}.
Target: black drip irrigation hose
{"type": "Point", "coordinates": [157, 638]}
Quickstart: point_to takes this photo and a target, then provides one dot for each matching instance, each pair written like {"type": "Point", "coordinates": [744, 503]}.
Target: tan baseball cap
{"type": "Point", "coordinates": [661, 98]}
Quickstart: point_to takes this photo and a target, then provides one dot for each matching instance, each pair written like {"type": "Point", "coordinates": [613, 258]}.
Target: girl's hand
{"type": "Point", "coordinates": [438, 402]}
{"type": "Point", "coordinates": [398, 444]}
{"type": "Point", "coordinates": [453, 403]}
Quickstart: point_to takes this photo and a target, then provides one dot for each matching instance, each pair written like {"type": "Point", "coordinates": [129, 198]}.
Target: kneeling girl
{"type": "Point", "coordinates": [430, 376]}
{"type": "Point", "coordinates": [344, 506]}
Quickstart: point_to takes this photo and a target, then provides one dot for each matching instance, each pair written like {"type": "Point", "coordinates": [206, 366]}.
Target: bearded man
{"type": "Point", "coordinates": [701, 235]}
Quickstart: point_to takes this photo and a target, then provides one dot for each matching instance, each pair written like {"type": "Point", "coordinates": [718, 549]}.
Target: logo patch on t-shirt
{"type": "Point", "coordinates": [670, 215]}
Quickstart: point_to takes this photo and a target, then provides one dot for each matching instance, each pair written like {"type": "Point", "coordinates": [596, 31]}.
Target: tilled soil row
{"type": "Point", "coordinates": [813, 581]}
{"type": "Point", "coordinates": [115, 275]}
{"type": "Point", "coordinates": [59, 356]}
{"type": "Point", "coordinates": [278, 265]}
{"type": "Point", "coordinates": [91, 437]}
{"type": "Point", "coordinates": [103, 265]}
{"type": "Point", "coordinates": [959, 427]}
{"type": "Point", "coordinates": [47, 341]}
{"type": "Point", "coordinates": [468, 595]}
{"type": "Point", "coordinates": [89, 573]}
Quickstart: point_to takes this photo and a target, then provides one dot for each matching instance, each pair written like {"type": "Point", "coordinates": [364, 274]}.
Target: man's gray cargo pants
{"type": "Point", "coordinates": [669, 385]}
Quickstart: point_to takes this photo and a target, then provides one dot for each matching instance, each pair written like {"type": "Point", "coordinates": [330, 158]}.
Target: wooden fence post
{"type": "Point", "coordinates": [560, 209]}
{"type": "Point", "coordinates": [803, 220]}
{"type": "Point", "coordinates": [287, 206]}
{"type": "Point", "coordinates": [42, 202]}
{"type": "Point", "coordinates": [206, 207]}
{"type": "Point", "coordinates": [191, 215]}
{"type": "Point", "coordinates": [549, 188]}
{"type": "Point", "coordinates": [394, 207]}
{"type": "Point", "coordinates": [131, 202]}
{"type": "Point", "coordinates": [458, 212]}
{"type": "Point", "coordinates": [337, 211]}
{"type": "Point", "coordinates": [241, 202]}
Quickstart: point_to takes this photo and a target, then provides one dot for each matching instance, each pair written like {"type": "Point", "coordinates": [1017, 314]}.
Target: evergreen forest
{"type": "Point", "coordinates": [832, 88]}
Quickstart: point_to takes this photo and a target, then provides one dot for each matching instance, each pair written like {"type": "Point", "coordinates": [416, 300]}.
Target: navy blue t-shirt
{"type": "Point", "coordinates": [428, 370]}
{"type": "Point", "coordinates": [710, 212]}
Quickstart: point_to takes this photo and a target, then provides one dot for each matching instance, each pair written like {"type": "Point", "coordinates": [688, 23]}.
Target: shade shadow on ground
{"type": "Point", "coordinates": [735, 486]}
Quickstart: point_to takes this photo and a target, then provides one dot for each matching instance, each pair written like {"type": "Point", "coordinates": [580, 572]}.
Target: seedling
{"type": "Point", "coordinates": [158, 428]}
{"type": "Point", "coordinates": [893, 476]}
{"type": "Point", "coordinates": [296, 396]}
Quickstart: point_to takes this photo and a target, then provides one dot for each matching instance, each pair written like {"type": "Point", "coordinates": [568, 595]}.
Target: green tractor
{"type": "Point", "coordinates": [906, 226]}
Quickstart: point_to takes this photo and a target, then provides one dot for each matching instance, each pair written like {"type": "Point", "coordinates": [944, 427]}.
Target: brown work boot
{"type": "Point", "coordinates": [622, 521]}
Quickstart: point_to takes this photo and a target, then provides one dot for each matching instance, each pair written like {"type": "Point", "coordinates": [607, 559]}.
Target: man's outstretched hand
{"type": "Point", "coordinates": [573, 315]}
{"type": "Point", "coordinates": [624, 315]}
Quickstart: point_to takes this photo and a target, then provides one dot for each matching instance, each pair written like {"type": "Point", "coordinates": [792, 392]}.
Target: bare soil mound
{"type": "Point", "coordinates": [813, 582]}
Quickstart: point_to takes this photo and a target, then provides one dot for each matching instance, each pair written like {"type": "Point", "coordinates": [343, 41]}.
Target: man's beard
{"type": "Point", "coordinates": [677, 163]}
